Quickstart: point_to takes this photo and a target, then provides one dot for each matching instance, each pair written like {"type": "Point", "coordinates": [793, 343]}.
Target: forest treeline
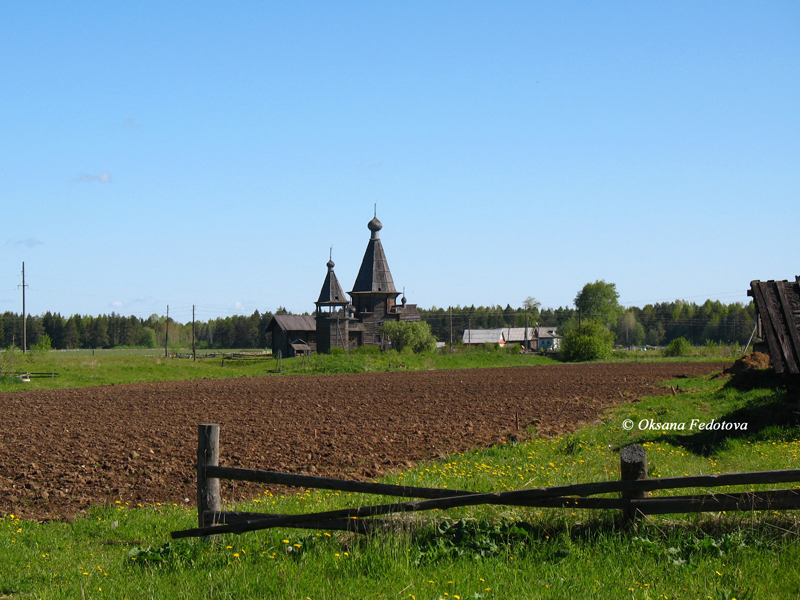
{"type": "Point", "coordinates": [654, 325]}
{"type": "Point", "coordinates": [119, 331]}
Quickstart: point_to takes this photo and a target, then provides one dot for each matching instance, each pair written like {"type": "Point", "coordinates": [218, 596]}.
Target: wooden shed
{"type": "Point", "coordinates": [292, 329]}
{"type": "Point", "coordinates": [778, 307]}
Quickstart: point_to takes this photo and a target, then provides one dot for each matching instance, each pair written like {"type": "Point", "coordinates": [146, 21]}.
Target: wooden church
{"type": "Point", "coordinates": [349, 322]}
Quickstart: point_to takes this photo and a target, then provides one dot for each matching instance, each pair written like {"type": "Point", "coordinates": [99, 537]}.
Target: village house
{"type": "Point", "coordinates": [532, 338]}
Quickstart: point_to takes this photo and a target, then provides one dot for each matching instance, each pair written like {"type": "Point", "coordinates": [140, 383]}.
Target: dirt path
{"type": "Point", "coordinates": [62, 450]}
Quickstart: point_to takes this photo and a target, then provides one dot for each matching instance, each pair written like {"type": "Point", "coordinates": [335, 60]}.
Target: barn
{"type": "Point", "coordinates": [293, 335]}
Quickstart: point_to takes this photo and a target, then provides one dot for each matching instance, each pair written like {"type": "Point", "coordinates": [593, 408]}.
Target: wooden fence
{"type": "Point", "coordinates": [27, 375]}
{"type": "Point", "coordinates": [261, 355]}
{"type": "Point", "coordinates": [633, 487]}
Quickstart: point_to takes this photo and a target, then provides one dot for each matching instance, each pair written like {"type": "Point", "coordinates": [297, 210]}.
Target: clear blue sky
{"type": "Point", "coordinates": [211, 153]}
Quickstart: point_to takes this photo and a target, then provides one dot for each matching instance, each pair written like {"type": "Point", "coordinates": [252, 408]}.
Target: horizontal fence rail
{"type": "Point", "coordinates": [28, 374]}
{"type": "Point", "coordinates": [634, 501]}
{"type": "Point", "coordinates": [226, 355]}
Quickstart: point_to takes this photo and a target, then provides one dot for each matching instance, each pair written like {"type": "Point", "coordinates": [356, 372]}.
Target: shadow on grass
{"type": "Point", "coordinates": [772, 419]}
{"type": "Point", "coordinates": [681, 542]}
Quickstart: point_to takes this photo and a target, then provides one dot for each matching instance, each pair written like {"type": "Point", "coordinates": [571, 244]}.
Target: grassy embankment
{"type": "Point", "coordinates": [83, 368]}
{"type": "Point", "coordinates": [482, 552]}
{"type": "Point", "coordinates": [105, 367]}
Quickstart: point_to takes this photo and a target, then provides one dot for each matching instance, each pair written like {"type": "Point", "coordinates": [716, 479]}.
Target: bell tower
{"type": "Point", "coordinates": [333, 324]}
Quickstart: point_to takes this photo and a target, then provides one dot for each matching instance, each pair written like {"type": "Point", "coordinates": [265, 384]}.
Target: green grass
{"type": "Point", "coordinates": [106, 367]}
{"type": "Point", "coordinates": [82, 368]}
{"type": "Point", "coordinates": [708, 352]}
{"type": "Point", "coordinates": [481, 552]}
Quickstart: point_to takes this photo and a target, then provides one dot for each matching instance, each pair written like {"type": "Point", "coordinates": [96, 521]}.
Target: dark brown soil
{"type": "Point", "coordinates": [63, 450]}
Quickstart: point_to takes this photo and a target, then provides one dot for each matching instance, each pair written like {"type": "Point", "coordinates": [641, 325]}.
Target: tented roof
{"type": "Point", "coordinates": [332, 292]}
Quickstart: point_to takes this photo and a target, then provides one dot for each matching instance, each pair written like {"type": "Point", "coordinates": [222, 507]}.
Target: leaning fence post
{"type": "Point", "coordinates": [633, 466]}
{"type": "Point", "coordinates": [208, 497]}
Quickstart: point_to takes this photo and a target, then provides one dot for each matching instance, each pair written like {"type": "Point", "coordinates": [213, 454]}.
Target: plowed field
{"type": "Point", "coordinates": [63, 450]}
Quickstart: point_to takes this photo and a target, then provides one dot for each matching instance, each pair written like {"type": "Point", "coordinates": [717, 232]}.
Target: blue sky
{"type": "Point", "coordinates": [212, 153]}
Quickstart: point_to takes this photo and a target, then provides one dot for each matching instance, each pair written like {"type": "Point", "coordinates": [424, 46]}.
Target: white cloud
{"type": "Point", "coordinates": [30, 242]}
{"type": "Point", "coordinates": [104, 177]}
{"type": "Point", "coordinates": [117, 304]}
{"type": "Point", "coordinates": [238, 306]}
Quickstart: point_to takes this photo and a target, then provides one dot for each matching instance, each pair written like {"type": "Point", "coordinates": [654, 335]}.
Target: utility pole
{"type": "Point", "coordinates": [194, 349]}
{"type": "Point", "coordinates": [166, 335]}
{"type": "Point", "coordinates": [527, 343]}
{"type": "Point", "coordinates": [24, 316]}
{"type": "Point", "coordinates": [450, 312]}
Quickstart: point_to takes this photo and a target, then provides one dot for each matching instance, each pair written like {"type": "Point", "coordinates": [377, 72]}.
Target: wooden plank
{"type": "Point", "coordinates": [575, 489]}
{"type": "Point", "coordinates": [326, 483]}
{"type": "Point", "coordinates": [768, 328]}
{"type": "Point", "coordinates": [791, 327]}
{"type": "Point", "coordinates": [767, 500]}
{"type": "Point", "coordinates": [363, 526]}
{"type": "Point", "coordinates": [781, 327]}
{"type": "Point", "coordinates": [734, 501]}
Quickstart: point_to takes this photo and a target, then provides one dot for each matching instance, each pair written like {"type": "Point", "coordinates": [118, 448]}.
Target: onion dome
{"type": "Point", "coordinates": [374, 226]}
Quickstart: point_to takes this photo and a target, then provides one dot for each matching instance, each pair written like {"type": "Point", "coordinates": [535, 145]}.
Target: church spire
{"type": "Point", "coordinates": [332, 293]}
{"type": "Point", "coordinates": [374, 274]}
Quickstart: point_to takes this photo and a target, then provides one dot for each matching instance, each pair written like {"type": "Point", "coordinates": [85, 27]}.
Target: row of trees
{"type": "Point", "coordinates": [654, 325]}
{"type": "Point", "coordinates": [115, 331]}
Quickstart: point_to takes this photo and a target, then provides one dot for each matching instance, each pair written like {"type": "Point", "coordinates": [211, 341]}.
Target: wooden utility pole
{"type": "Point", "coordinates": [527, 341]}
{"type": "Point", "coordinates": [194, 349]}
{"type": "Point", "coordinates": [450, 311]}
{"type": "Point", "coordinates": [24, 316]}
{"type": "Point", "coordinates": [166, 334]}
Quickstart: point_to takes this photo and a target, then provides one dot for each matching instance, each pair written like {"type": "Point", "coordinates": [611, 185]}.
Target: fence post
{"type": "Point", "coordinates": [633, 466]}
{"type": "Point", "coordinates": [208, 497]}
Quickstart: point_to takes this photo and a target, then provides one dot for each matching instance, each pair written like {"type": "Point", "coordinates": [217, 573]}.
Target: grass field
{"type": "Point", "coordinates": [83, 368]}
{"type": "Point", "coordinates": [483, 552]}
